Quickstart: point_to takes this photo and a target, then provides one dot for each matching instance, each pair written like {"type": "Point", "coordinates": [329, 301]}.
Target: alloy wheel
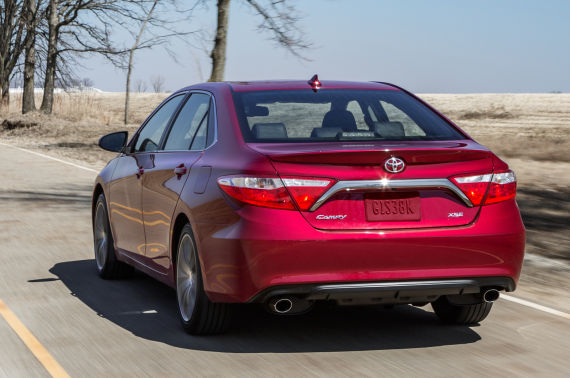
{"type": "Point", "coordinates": [101, 236]}
{"type": "Point", "coordinates": [186, 277]}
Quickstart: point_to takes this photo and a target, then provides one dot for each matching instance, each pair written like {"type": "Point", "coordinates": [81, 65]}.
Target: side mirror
{"type": "Point", "coordinates": [114, 142]}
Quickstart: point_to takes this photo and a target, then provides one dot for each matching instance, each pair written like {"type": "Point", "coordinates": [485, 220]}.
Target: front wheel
{"type": "Point", "coordinates": [467, 314]}
{"type": "Point", "coordinates": [199, 316]}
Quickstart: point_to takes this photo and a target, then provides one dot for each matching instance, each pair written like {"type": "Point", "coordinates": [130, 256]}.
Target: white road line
{"type": "Point", "coordinates": [536, 306]}
{"type": "Point", "coordinates": [50, 157]}
{"type": "Point", "coordinates": [522, 302]}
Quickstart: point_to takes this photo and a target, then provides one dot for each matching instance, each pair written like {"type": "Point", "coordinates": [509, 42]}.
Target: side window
{"type": "Point", "coordinates": [199, 142]}
{"type": "Point", "coordinates": [356, 111]}
{"type": "Point", "coordinates": [149, 137]}
{"type": "Point", "coordinates": [190, 128]}
{"type": "Point", "coordinates": [396, 115]}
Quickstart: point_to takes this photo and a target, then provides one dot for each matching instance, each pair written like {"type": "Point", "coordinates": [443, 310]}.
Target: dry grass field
{"type": "Point", "coordinates": [529, 131]}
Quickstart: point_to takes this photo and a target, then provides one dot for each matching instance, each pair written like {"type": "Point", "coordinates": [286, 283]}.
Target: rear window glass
{"type": "Point", "coordinates": [299, 115]}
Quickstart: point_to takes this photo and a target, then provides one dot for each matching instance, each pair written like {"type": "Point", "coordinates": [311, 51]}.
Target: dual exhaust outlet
{"type": "Point", "coordinates": [293, 305]}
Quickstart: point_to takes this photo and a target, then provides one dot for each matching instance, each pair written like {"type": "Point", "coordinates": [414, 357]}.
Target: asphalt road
{"type": "Point", "coordinates": [93, 327]}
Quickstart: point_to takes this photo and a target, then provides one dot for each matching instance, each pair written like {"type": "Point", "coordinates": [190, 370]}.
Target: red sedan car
{"type": "Point", "coordinates": [290, 192]}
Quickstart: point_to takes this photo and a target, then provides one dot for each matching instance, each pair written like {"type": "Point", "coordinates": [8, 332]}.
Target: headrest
{"type": "Point", "coordinates": [341, 119]}
{"type": "Point", "coordinates": [325, 132]}
{"type": "Point", "coordinates": [269, 131]}
{"type": "Point", "coordinates": [389, 129]}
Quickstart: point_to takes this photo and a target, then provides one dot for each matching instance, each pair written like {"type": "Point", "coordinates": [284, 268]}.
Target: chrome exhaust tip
{"type": "Point", "coordinates": [490, 295]}
{"type": "Point", "coordinates": [282, 305]}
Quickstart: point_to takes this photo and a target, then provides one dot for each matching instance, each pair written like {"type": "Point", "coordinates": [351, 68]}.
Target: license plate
{"type": "Point", "coordinates": [391, 207]}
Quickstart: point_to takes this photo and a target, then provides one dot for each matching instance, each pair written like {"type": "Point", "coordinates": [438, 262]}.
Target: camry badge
{"type": "Point", "coordinates": [339, 217]}
{"type": "Point", "coordinates": [394, 165]}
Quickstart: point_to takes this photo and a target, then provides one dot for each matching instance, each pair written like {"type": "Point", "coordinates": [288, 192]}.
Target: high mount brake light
{"type": "Point", "coordinates": [275, 192]}
{"type": "Point", "coordinates": [487, 188]}
{"type": "Point", "coordinates": [315, 83]}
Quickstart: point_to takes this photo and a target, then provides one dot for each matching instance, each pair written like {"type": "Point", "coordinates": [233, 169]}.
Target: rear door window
{"type": "Point", "coordinates": [189, 130]}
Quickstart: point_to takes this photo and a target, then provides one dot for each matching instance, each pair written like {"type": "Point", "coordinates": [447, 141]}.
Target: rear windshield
{"type": "Point", "coordinates": [301, 115]}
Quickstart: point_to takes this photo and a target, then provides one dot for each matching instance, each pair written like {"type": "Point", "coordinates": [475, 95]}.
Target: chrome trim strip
{"type": "Point", "coordinates": [345, 186]}
{"type": "Point", "coordinates": [417, 285]}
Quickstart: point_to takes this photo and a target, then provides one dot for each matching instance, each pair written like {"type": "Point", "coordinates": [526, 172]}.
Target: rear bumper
{"type": "Point", "coordinates": [267, 250]}
{"type": "Point", "coordinates": [388, 292]}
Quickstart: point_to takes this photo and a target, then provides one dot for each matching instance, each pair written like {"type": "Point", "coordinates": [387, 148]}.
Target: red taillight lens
{"type": "Point", "coordinates": [306, 191]}
{"type": "Point", "coordinates": [503, 187]}
{"type": "Point", "coordinates": [474, 186]}
{"type": "Point", "coordinates": [275, 192]}
{"type": "Point", "coordinates": [487, 188]}
{"type": "Point", "coordinates": [259, 191]}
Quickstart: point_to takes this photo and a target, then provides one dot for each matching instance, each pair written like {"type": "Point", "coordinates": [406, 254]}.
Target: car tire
{"type": "Point", "coordinates": [460, 314]}
{"type": "Point", "coordinates": [199, 315]}
{"type": "Point", "coordinates": [106, 261]}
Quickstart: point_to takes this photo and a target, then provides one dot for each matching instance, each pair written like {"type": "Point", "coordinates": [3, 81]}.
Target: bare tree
{"type": "Point", "coordinates": [86, 83]}
{"type": "Point", "coordinates": [157, 28]}
{"type": "Point", "coordinates": [131, 58]}
{"type": "Point", "coordinates": [141, 86]}
{"type": "Point", "coordinates": [31, 20]}
{"type": "Point", "coordinates": [157, 83]}
{"type": "Point", "coordinates": [82, 27]}
{"type": "Point", "coordinates": [218, 54]}
{"type": "Point", "coordinates": [12, 29]}
{"type": "Point", "coordinates": [279, 18]}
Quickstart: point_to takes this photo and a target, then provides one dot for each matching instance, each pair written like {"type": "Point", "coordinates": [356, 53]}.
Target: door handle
{"type": "Point", "coordinates": [180, 170]}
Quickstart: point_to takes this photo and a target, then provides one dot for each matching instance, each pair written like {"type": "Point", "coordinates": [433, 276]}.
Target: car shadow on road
{"type": "Point", "coordinates": [147, 309]}
{"type": "Point", "coordinates": [68, 196]}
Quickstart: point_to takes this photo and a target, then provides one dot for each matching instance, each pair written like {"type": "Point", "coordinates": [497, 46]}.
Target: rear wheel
{"type": "Point", "coordinates": [108, 266]}
{"type": "Point", "coordinates": [461, 314]}
{"type": "Point", "coordinates": [198, 314]}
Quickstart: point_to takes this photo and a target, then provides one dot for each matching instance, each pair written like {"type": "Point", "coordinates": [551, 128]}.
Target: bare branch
{"type": "Point", "coordinates": [280, 19]}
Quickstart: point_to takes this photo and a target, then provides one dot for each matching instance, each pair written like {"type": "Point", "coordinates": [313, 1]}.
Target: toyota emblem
{"type": "Point", "coordinates": [394, 165]}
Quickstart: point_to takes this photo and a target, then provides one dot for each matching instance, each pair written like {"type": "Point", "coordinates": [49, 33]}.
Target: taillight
{"type": "Point", "coordinates": [306, 191]}
{"type": "Point", "coordinates": [503, 187]}
{"type": "Point", "coordinates": [483, 189]}
{"type": "Point", "coordinates": [259, 191]}
{"type": "Point", "coordinates": [475, 187]}
{"type": "Point", "coordinates": [275, 192]}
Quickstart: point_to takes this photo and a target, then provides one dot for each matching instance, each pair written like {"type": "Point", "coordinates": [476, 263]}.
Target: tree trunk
{"type": "Point", "coordinates": [11, 32]}
{"type": "Point", "coordinates": [28, 99]}
{"type": "Point", "coordinates": [2, 79]}
{"type": "Point", "coordinates": [131, 58]}
{"type": "Point", "coordinates": [219, 51]}
{"type": "Point", "coordinates": [128, 88]}
{"type": "Point", "coordinates": [51, 60]}
{"type": "Point", "coordinates": [5, 93]}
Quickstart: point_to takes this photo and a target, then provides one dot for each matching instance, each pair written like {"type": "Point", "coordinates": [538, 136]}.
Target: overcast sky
{"type": "Point", "coordinates": [433, 46]}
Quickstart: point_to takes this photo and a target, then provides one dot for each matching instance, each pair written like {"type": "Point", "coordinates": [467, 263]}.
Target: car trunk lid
{"type": "Point", "coordinates": [368, 197]}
